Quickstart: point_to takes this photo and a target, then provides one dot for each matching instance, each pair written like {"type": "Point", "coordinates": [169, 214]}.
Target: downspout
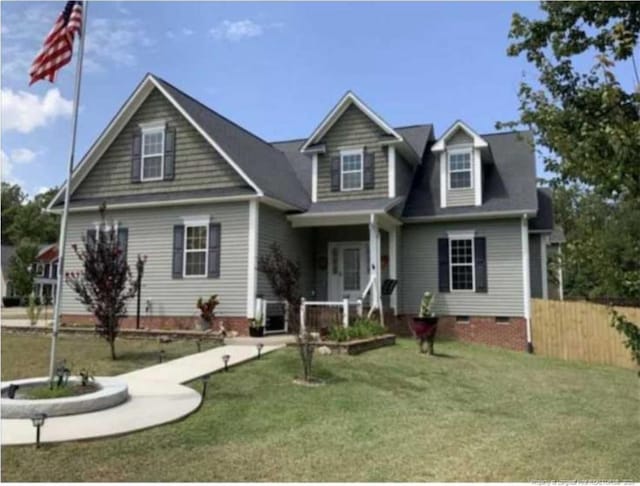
{"type": "Point", "coordinates": [526, 280]}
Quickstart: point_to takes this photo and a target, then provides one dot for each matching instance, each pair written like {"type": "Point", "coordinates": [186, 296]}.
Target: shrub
{"type": "Point", "coordinates": [631, 333]}
{"type": "Point", "coordinates": [11, 301]}
{"type": "Point", "coordinates": [208, 307]}
{"type": "Point", "coordinates": [33, 309]}
{"type": "Point", "coordinates": [361, 328]}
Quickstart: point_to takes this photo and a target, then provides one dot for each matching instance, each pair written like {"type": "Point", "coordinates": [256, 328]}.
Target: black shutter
{"type": "Point", "coordinates": [136, 155]}
{"type": "Point", "coordinates": [335, 174]}
{"type": "Point", "coordinates": [443, 265]}
{"type": "Point", "coordinates": [369, 176]}
{"type": "Point", "coordinates": [480, 257]}
{"type": "Point", "coordinates": [169, 154]}
{"type": "Point", "coordinates": [178, 250]}
{"type": "Point", "coordinates": [123, 237]}
{"type": "Point", "coordinates": [214, 251]}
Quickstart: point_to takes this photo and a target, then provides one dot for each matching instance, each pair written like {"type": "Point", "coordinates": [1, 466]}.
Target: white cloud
{"type": "Point", "coordinates": [237, 30]}
{"type": "Point", "coordinates": [24, 112]}
{"type": "Point", "coordinates": [170, 34]}
{"type": "Point", "coordinates": [23, 155]}
{"type": "Point", "coordinates": [7, 169]}
{"type": "Point", "coordinates": [187, 32]}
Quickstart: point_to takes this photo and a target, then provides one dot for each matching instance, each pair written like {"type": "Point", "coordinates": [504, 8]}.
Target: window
{"type": "Point", "coordinates": [54, 270]}
{"type": "Point", "coordinates": [152, 154]}
{"type": "Point", "coordinates": [460, 169]}
{"type": "Point", "coordinates": [462, 319]}
{"type": "Point", "coordinates": [39, 269]}
{"type": "Point", "coordinates": [462, 263]}
{"type": "Point", "coordinates": [195, 253]}
{"type": "Point", "coordinates": [503, 320]}
{"type": "Point", "coordinates": [351, 172]}
{"type": "Point", "coordinates": [47, 269]}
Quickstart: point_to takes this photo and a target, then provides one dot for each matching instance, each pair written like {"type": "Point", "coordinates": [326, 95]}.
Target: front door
{"type": "Point", "coordinates": [347, 270]}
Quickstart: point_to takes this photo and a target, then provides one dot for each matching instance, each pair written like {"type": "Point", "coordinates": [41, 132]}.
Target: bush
{"type": "Point", "coordinates": [361, 328]}
{"type": "Point", "coordinates": [11, 301]}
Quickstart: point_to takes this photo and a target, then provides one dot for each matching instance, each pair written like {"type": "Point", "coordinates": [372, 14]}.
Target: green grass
{"type": "Point", "coordinates": [470, 414]}
{"type": "Point", "coordinates": [45, 392]}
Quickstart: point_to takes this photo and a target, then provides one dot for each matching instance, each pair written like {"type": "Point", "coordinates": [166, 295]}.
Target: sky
{"type": "Point", "coordinates": [274, 68]}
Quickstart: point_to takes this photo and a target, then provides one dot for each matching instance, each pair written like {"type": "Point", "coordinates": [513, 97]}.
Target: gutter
{"type": "Point", "coordinates": [526, 282]}
{"type": "Point", "coordinates": [464, 216]}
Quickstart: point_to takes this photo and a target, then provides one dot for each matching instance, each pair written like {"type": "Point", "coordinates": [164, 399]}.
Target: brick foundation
{"type": "Point", "coordinates": [231, 323]}
{"type": "Point", "coordinates": [479, 329]}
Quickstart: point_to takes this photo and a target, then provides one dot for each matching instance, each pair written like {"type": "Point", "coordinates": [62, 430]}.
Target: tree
{"type": "Point", "coordinates": [105, 284]}
{"type": "Point", "coordinates": [12, 200]}
{"type": "Point", "coordinates": [33, 222]}
{"type": "Point", "coordinates": [284, 277]}
{"type": "Point", "coordinates": [587, 120]}
{"type": "Point", "coordinates": [21, 271]}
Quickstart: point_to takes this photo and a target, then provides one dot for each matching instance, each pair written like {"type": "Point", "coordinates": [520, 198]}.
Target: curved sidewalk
{"type": "Point", "coordinates": [156, 396]}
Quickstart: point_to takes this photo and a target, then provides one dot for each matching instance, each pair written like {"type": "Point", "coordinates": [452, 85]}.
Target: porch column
{"type": "Point", "coordinates": [374, 264]}
{"type": "Point", "coordinates": [393, 266]}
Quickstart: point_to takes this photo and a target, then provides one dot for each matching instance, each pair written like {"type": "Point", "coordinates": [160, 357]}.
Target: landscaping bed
{"type": "Point", "coordinates": [357, 346]}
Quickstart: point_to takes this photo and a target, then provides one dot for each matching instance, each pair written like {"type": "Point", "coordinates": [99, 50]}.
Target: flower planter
{"type": "Point", "coordinates": [256, 331]}
{"type": "Point", "coordinates": [424, 329]}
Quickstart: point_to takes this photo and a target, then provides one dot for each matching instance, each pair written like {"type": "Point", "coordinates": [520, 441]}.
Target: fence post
{"type": "Point", "coordinates": [302, 315]}
{"type": "Point", "coordinates": [359, 308]}
{"type": "Point", "coordinates": [345, 312]}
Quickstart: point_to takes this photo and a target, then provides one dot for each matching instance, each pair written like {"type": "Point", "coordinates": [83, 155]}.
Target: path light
{"type": "Point", "coordinates": [161, 355]}
{"type": "Point", "coordinates": [38, 421]}
{"type": "Point", "coordinates": [225, 360]}
{"type": "Point", "coordinates": [205, 382]}
{"type": "Point", "coordinates": [259, 346]}
{"type": "Point", "coordinates": [198, 344]}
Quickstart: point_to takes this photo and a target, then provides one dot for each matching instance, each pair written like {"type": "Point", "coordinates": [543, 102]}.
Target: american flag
{"type": "Point", "coordinates": [58, 45]}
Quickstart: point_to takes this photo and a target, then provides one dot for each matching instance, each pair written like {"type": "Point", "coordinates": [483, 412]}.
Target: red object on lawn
{"type": "Point", "coordinates": [424, 329]}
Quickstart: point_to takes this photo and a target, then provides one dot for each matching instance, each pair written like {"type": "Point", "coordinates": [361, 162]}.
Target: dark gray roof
{"type": "Point", "coordinates": [267, 167]}
{"type": "Point", "coordinates": [557, 235]}
{"type": "Point", "coordinates": [6, 252]}
{"type": "Point", "coordinates": [417, 136]}
{"type": "Point", "coordinates": [373, 204]}
{"type": "Point", "coordinates": [543, 220]}
{"type": "Point", "coordinates": [509, 180]}
{"type": "Point", "coordinates": [160, 196]}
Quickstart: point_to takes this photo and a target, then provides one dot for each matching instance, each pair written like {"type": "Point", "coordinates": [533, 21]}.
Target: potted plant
{"type": "Point", "coordinates": [425, 325]}
{"type": "Point", "coordinates": [256, 326]}
{"type": "Point", "coordinates": [207, 311]}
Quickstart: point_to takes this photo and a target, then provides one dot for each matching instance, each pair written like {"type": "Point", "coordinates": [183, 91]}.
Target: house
{"type": "Point", "coordinates": [46, 273]}
{"type": "Point", "coordinates": [455, 213]}
{"type": "Point", "coordinates": [6, 289]}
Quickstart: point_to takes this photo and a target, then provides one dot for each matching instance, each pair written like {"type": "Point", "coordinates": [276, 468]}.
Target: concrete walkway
{"type": "Point", "coordinates": [156, 396]}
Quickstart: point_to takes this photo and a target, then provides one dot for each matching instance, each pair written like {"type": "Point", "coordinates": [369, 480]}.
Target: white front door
{"type": "Point", "coordinates": [347, 270]}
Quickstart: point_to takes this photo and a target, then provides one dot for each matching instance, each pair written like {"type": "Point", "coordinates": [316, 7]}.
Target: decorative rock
{"type": "Point", "coordinates": [324, 350]}
{"type": "Point", "coordinates": [165, 339]}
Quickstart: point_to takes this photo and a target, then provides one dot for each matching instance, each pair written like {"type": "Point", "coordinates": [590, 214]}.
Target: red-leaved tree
{"type": "Point", "coordinates": [105, 283]}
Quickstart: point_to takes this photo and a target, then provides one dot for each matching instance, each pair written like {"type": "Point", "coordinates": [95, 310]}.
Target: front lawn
{"type": "Point", "coordinates": [471, 414]}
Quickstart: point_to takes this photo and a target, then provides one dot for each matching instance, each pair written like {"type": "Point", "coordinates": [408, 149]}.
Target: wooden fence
{"type": "Point", "coordinates": [580, 331]}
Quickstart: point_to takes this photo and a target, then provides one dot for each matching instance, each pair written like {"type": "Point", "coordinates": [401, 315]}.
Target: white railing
{"type": "Point", "coordinates": [344, 303]}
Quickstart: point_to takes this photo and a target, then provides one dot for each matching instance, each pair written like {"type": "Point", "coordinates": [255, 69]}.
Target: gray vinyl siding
{"type": "Point", "coordinates": [535, 266]}
{"type": "Point", "coordinates": [419, 269]}
{"type": "Point", "coordinates": [296, 244]}
{"type": "Point", "coordinates": [404, 176]}
{"type": "Point", "coordinates": [353, 130]}
{"type": "Point", "coordinates": [151, 234]}
{"type": "Point", "coordinates": [322, 237]}
{"type": "Point", "coordinates": [197, 164]}
{"type": "Point", "coordinates": [459, 197]}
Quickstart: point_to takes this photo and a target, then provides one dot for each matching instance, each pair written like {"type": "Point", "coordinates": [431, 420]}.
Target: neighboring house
{"type": "Point", "coordinates": [5, 261]}
{"type": "Point", "coordinates": [46, 273]}
{"type": "Point", "coordinates": [203, 198]}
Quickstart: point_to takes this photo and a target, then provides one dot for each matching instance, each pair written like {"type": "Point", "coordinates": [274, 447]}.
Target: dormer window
{"type": "Point", "coordinates": [460, 176]}
{"type": "Point", "coordinates": [351, 173]}
{"type": "Point", "coordinates": [152, 166]}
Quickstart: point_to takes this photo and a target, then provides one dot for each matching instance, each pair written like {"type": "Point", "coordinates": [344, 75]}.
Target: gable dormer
{"type": "Point", "coordinates": [460, 160]}
{"type": "Point", "coordinates": [353, 154]}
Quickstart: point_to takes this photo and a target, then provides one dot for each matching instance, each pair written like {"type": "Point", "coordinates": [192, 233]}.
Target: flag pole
{"type": "Point", "coordinates": [63, 223]}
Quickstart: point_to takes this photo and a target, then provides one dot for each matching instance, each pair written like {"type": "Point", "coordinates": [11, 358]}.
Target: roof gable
{"type": "Point", "coordinates": [453, 130]}
{"type": "Point", "coordinates": [338, 110]}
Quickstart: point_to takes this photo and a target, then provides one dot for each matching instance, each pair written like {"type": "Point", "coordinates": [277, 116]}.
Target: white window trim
{"type": "Point", "coordinates": [462, 237]}
{"type": "Point", "coordinates": [196, 224]}
{"type": "Point", "coordinates": [39, 269]}
{"type": "Point", "coordinates": [455, 151]}
{"type": "Point", "coordinates": [343, 154]}
{"type": "Point", "coordinates": [147, 129]}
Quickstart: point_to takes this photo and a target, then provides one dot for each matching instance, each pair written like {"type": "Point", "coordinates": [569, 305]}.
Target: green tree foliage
{"type": "Point", "coordinates": [601, 257]}
{"type": "Point", "coordinates": [21, 270]}
{"type": "Point", "coordinates": [27, 219]}
{"type": "Point", "coordinates": [589, 121]}
{"type": "Point", "coordinates": [12, 199]}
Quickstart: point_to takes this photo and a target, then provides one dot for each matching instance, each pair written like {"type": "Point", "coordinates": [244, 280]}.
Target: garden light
{"type": "Point", "coordinates": [225, 360]}
{"type": "Point", "coordinates": [38, 421]}
{"type": "Point", "coordinates": [161, 355]}
{"type": "Point", "coordinates": [205, 382]}
{"type": "Point", "coordinates": [259, 346]}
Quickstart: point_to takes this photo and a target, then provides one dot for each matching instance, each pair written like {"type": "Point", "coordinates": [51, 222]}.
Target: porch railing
{"type": "Point", "coordinates": [343, 305]}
